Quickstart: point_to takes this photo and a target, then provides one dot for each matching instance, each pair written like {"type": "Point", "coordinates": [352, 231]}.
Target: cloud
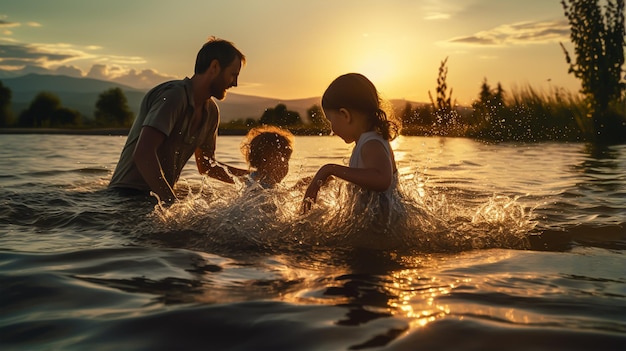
{"type": "Point", "coordinates": [71, 71]}
{"type": "Point", "coordinates": [437, 16]}
{"type": "Point", "coordinates": [436, 10]}
{"type": "Point", "coordinates": [98, 71]}
{"type": "Point", "coordinates": [7, 24]}
{"type": "Point", "coordinates": [538, 32]}
{"type": "Point", "coordinates": [121, 60]}
{"type": "Point", "coordinates": [22, 70]}
{"type": "Point", "coordinates": [20, 54]}
{"type": "Point", "coordinates": [17, 58]}
{"type": "Point", "coordinates": [142, 79]}
{"type": "Point", "coordinates": [15, 55]}
{"type": "Point", "coordinates": [146, 78]}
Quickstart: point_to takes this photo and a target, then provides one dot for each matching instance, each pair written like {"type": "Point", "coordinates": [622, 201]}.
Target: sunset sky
{"type": "Point", "coordinates": [295, 48]}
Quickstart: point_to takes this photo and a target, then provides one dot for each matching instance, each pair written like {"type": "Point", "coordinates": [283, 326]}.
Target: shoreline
{"type": "Point", "coordinates": [94, 131]}
{"type": "Point", "coordinates": [117, 131]}
{"type": "Point", "coordinates": [67, 131]}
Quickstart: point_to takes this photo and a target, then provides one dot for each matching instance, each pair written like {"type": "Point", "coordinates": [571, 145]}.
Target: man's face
{"type": "Point", "coordinates": [227, 78]}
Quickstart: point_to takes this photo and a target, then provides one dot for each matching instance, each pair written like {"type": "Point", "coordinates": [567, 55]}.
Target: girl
{"type": "Point", "coordinates": [353, 107]}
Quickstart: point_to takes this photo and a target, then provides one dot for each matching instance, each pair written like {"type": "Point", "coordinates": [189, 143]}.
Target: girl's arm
{"type": "Point", "coordinates": [376, 175]}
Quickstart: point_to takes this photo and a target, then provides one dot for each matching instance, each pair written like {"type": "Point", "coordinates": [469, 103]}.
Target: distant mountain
{"type": "Point", "coordinates": [82, 93]}
{"type": "Point", "coordinates": [58, 83]}
{"type": "Point", "coordinates": [236, 106]}
{"type": "Point", "coordinates": [77, 93]}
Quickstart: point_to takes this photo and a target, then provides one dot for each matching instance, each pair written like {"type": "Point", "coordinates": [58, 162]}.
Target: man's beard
{"type": "Point", "coordinates": [218, 90]}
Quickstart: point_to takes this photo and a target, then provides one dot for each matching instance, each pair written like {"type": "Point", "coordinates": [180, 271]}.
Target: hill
{"type": "Point", "coordinates": [58, 83]}
{"type": "Point", "coordinates": [82, 93]}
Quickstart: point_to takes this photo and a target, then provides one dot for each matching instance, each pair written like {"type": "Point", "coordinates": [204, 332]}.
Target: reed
{"type": "Point", "coordinates": [530, 115]}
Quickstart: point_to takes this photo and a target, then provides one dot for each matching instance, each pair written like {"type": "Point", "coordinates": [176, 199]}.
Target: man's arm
{"type": "Point", "coordinates": [146, 158]}
{"type": "Point", "coordinates": [207, 165]}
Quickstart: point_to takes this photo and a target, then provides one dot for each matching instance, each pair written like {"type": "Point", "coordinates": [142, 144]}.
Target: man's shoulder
{"type": "Point", "coordinates": [173, 89]}
{"type": "Point", "coordinates": [174, 86]}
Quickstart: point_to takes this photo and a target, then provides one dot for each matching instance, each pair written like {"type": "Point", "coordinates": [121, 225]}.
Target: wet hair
{"type": "Point", "coordinates": [221, 50]}
{"type": "Point", "coordinates": [265, 142]}
{"type": "Point", "coordinates": [353, 91]}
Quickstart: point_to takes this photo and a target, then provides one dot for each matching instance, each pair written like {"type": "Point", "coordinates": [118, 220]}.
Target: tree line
{"type": "Point", "coordinates": [47, 111]}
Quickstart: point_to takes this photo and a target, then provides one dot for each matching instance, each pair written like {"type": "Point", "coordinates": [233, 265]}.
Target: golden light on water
{"type": "Point", "coordinates": [396, 146]}
{"type": "Point", "coordinates": [417, 297]}
{"type": "Point", "coordinates": [419, 291]}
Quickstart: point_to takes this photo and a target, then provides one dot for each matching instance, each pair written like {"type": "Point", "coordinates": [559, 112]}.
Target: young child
{"type": "Point", "coordinates": [267, 150]}
{"type": "Point", "coordinates": [353, 107]}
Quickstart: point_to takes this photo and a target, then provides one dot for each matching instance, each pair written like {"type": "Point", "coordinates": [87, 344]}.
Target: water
{"type": "Point", "coordinates": [490, 247]}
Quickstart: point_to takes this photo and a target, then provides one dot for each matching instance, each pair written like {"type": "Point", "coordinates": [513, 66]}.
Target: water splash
{"type": "Point", "coordinates": [413, 217]}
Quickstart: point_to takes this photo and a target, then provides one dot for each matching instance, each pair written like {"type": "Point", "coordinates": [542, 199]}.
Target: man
{"type": "Point", "coordinates": [177, 119]}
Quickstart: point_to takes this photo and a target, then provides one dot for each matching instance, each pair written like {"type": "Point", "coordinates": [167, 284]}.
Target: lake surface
{"type": "Point", "coordinates": [490, 247]}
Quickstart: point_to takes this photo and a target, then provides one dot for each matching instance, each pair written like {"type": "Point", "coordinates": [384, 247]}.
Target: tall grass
{"type": "Point", "coordinates": [531, 115]}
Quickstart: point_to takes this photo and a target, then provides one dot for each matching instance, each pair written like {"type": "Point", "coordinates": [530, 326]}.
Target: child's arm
{"type": "Point", "coordinates": [376, 175]}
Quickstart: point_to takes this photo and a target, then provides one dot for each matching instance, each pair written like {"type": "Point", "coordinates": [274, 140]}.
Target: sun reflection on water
{"type": "Point", "coordinates": [417, 297]}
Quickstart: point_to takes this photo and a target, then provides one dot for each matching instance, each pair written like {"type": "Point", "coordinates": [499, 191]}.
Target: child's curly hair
{"type": "Point", "coordinates": [267, 142]}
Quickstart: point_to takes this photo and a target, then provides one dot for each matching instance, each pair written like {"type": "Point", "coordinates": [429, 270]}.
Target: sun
{"type": "Point", "coordinates": [378, 66]}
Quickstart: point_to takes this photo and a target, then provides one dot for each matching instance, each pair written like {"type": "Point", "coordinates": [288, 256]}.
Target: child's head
{"type": "Point", "coordinates": [354, 92]}
{"type": "Point", "coordinates": [268, 150]}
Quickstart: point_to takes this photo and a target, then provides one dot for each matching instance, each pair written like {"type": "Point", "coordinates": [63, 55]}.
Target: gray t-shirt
{"type": "Point", "coordinates": [169, 108]}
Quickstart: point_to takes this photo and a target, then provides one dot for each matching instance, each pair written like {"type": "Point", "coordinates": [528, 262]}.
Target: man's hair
{"type": "Point", "coordinates": [221, 50]}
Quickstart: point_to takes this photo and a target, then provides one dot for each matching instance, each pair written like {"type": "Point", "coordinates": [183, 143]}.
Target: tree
{"type": "Point", "coordinates": [112, 109]}
{"type": "Point", "coordinates": [65, 117]}
{"type": "Point", "coordinates": [280, 116]}
{"type": "Point", "coordinates": [6, 117]}
{"type": "Point", "coordinates": [598, 39]}
{"type": "Point", "coordinates": [498, 97]}
{"type": "Point", "coordinates": [424, 115]}
{"type": "Point", "coordinates": [489, 117]}
{"type": "Point", "coordinates": [408, 115]}
{"type": "Point", "coordinates": [41, 110]}
{"type": "Point", "coordinates": [482, 113]}
{"type": "Point", "coordinates": [316, 116]}
{"type": "Point", "coordinates": [46, 111]}
{"type": "Point", "coordinates": [489, 104]}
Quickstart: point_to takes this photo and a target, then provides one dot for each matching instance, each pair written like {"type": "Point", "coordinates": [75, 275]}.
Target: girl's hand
{"type": "Point", "coordinates": [310, 195]}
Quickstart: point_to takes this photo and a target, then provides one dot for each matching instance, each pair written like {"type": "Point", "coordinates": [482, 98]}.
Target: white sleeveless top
{"type": "Point", "coordinates": [384, 200]}
{"type": "Point", "coordinates": [356, 161]}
